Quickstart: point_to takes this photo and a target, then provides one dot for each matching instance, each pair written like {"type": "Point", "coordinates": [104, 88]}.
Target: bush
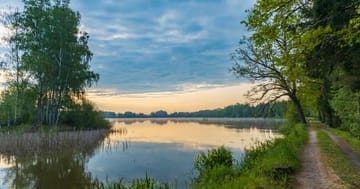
{"type": "Point", "coordinates": [346, 104]}
{"type": "Point", "coordinates": [215, 158]}
{"type": "Point", "coordinates": [214, 166]}
{"type": "Point", "coordinates": [84, 117]}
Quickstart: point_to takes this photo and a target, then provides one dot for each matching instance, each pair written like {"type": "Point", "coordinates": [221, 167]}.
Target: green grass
{"type": "Point", "coordinates": [257, 170]}
{"type": "Point", "coordinates": [15, 129]}
{"type": "Point", "coordinates": [145, 183]}
{"type": "Point", "coordinates": [334, 158]}
{"type": "Point", "coordinates": [346, 136]}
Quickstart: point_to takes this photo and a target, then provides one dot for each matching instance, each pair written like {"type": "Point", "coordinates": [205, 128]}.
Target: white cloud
{"type": "Point", "coordinates": [168, 19]}
{"type": "Point", "coordinates": [177, 36]}
{"type": "Point", "coordinates": [146, 46]}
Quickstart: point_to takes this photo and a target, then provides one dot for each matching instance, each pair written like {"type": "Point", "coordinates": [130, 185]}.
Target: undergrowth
{"type": "Point", "coordinates": [258, 169]}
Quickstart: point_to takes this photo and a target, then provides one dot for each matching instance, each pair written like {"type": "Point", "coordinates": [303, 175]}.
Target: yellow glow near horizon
{"type": "Point", "coordinates": [192, 134]}
{"type": "Point", "coordinates": [173, 101]}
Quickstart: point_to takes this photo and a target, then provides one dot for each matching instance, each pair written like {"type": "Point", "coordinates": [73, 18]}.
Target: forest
{"type": "Point", "coordinates": [272, 110]}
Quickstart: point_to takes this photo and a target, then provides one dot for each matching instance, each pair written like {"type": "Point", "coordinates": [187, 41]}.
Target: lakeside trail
{"type": "Point", "coordinates": [313, 174]}
{"type": "Point", "coordinates": [344, 147]}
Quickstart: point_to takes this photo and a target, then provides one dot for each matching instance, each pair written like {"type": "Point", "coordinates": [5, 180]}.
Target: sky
{"type": "Point", "coordinates": [172, 55]}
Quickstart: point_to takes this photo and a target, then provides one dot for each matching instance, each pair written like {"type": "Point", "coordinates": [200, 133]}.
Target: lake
{"type": "Point", "coordinates": [160, 148]}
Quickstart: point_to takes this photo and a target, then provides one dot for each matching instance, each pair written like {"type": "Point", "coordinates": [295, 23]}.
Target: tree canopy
{"type": "Point", "coordinates": [273, 55]}
{"type": "Point", "coordinates": [308, 51]}
{"type": "Point", "coordinates": [53, 55]}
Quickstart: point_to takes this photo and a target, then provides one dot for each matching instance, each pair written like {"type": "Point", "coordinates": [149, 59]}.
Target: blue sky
{"type": "Point", "coordinates": [160, 46]}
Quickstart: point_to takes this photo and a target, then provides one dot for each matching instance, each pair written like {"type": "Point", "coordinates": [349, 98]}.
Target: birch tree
{"type": "Point", "coordinates": [56, 54]}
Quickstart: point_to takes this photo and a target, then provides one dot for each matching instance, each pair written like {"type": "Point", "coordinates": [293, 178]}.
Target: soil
{"type": "Point", "coordinates": [313, 174]}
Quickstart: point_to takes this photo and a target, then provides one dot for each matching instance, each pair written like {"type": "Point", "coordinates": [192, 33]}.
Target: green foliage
{"type": "Point", "coordinates": [291, 115]}
{"type": "Point", "coordinates": [51, 59]}
{"type": "Point", "coordinates": [84, 116]}
{"type": "Point", "coordinates": [214, 167]}
{"type": "Point", "coordinates": [346, 105]}
{"type": "Point", "coordinates": [53, 54]}
{"type": "Point", "coordinates": [284, 151]}
{"type": "Point", "coordinates": [26, 105]}
{"type": "Point", "coordinates": [146, 183]}
{"type": "Point", "coordinates": [257, 168]}
{"type": "Point", "coordinates": [273, 55]}
{"type": "Point", "coordinates": [333, 58]}
{"type": "Point", "coordinates": [214, 158]}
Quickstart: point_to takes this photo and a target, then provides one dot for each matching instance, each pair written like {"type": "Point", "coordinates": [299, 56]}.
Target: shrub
{"type": "Point", "coordinates": [84, 116]}
{"type": "Point", "coordinates": [215, 158]}
{"type": "Point", "coordinates": [215, 166]}
{"type": "Point", "coordinates": [346, 105]}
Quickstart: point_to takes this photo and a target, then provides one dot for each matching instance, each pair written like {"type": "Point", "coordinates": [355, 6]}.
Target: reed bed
{"type": "Point", "coordinates": [37, 143]}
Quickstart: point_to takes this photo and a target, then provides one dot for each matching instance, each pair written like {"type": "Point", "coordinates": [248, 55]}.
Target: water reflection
{"type": "Point", "coordinates": [200, 135]}
{"type": "Point", "coordinates": [162, 148]}
{"type": "Point", "coordinates": [165, 148]}
{"type": "Point", "coordinates": [60, 164]}
{"type": "Point", "coordinates": [58, 171]}
{"type": "Point", "coordinates": [228, 122]}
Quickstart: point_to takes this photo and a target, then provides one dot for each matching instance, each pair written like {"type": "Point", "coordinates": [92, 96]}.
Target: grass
{"type": "Point", "coordinates": [346, 136]}
{"type": "Point", "coordinates": [145, 183]}
{"type": "Point", "coordinates": [257, 169]}
{"type": "Point", "coordinates": [335, 158]}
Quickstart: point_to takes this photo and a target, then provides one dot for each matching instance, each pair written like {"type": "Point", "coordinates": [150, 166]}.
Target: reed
{"type": "Point", "coordinates": [41, 142]}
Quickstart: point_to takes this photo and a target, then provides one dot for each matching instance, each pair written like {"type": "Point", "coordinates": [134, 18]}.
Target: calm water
{"type": "Point", "coordinates": [161, 148]}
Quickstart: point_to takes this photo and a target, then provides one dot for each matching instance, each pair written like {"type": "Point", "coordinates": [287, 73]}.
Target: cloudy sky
{"type": "Point", "coordinates": [162, 54]}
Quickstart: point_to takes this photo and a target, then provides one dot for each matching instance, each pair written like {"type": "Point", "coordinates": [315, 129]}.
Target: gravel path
{"type": "Point", "coordinates": [314, 175]}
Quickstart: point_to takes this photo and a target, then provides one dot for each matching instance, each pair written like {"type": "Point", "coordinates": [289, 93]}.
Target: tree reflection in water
{"type": "Point", "coordinates": [64, 167]}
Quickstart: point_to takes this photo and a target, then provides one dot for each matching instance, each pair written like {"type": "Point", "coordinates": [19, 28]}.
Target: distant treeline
{"type": "Point", "coordinates": [273, 110]}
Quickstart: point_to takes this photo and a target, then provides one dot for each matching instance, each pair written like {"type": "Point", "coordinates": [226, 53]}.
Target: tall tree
{"type": "Point", "coordinates": [56, 54]}
{"type": "Point", "coordinates": [14, 61]}
{"type": "Point", "coordinates": [273, 55]}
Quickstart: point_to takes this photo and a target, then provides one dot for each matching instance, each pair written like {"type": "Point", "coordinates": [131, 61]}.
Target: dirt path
{"type": "Point", "coordinates": [345, 148]}
{"type": "Point", "coordinates": [314, 175]}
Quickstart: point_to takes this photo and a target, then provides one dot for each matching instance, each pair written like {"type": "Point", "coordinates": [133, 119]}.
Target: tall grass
{"type": "Point", "coordinates": [145, 183]}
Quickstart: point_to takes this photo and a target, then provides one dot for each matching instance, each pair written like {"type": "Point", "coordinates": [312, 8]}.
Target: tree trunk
{"type": "Point", "coordinates": [16, 101]}
{"type": "Point", "coordinates": [299, 110]}
{"type": "Point", "coordinates": [8, 118]}
{"type": "Point", "coordinates": [39, 114]}
{"type": "Point", "coordinates": [17, 61]}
